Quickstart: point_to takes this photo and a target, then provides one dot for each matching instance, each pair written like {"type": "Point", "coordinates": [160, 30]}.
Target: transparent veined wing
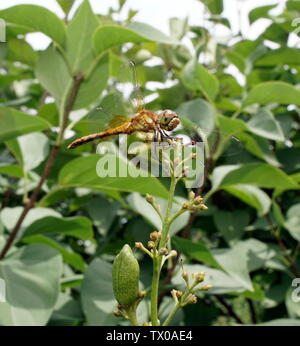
{"type": "Point", "coordinates": [122, 100]}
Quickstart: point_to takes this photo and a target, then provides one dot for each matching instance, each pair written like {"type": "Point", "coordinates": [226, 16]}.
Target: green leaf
{"type": "Point", "coordinates": [36, 18]}
{"type": "Point", "coordinates": [251, 195]}
{"type": "Point", "coordinates": [49, 112]}
{"type": "Point", "coordinates": [151, 33]}
{"type": "Point", "coordinates": [20, 50]}
{"type": "Point", "coordinates": [260, 12]}
{"type": "Point", "coordinates": [67, 311]}
{"type": "Point", "coordinates": [31, 276]}
{"type": "Point", "coordinates": [79, 38]}
{"type": "Point", "coordinates": [214, 6]}
{"type": "Point", "coordinates": [102, 212]}
{"type": "Point", "coordinates": [277, 32]}
{"type": "Point", "coordinates": [12, 170]}
{"type": "Point", "coordinates": [221, 282]}
{"type": "Point", "coordinates": [110, 36]}
{"type": "Point", "coordinates": [196, 77]}
{"type": "Point", "coordinates": [259, 174]}
{"type": "Point", "coordinates": [292, 223]}
{"type": "Point", "coordinates": [259, 147]}
{"type": "Point", "coordinates": [91, 88]}
{"type": "Point", "coordinates": [141, 206]}
{"type": "Point", "coordinates": [82, 172]}
{"type": "Point", "coordinates": [34, 149]}
{"type": "Point", "coordinates": [227, 258]}
{"type": "Point", "coordinates": [195, 250]}
{"type": "Point", "coordinates": [97, 296]}
{"type": "Point", "coordinates": [199, 112]}
{"type": "Point", "coordinates": [10, 215]}
{"type": "Point", "coordinates": [66, 5]}
{"type": "Point", "coordinates": [281, 322]}
{"type": "Point", "coordinates": [264, 124]}
{"type": "Point", "coordinates": [293, 5]}
{"type": "Point", "coordinates": [68, 256]}
{"type": "Point", "coordinates": [278, 92]}
{"type": "Point", "coordinates": [14, 123]}
{"type": "Point", "coordinates": [236, 59]}
{"type": "Point", "coordinates": [178, 27]}
{"type": "Point", "coordinates": [77, 226]}
{"type": "Point", "coordinates": [284, 55]}
{"type": "Point", "coordinates": [231, 225]}
{"type": "Point", "coordinates": [53, 73]}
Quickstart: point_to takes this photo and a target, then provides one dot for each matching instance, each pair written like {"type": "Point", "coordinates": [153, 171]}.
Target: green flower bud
{"type": "Point", "coordinates": [125, 275]}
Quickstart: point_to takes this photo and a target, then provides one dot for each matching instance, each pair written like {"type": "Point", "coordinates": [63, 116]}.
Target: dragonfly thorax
{"type": "Point", "coordinates": [168, 120]}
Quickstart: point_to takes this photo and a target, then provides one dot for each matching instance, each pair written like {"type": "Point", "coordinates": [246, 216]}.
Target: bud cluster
{"type": "Point", "coordinates": [195, 203]}
{"type": "Point", "coordinates": [153, 247]}
{"type": "Point", "coordinates": [188, 296]}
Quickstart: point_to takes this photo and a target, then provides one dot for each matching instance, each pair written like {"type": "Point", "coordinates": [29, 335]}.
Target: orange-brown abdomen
{"type": "Point", "coordinates": [125, 128]}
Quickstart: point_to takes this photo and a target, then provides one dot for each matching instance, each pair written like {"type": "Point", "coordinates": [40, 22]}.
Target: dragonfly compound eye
{"type": "Point", "coordinates": [169, 120]}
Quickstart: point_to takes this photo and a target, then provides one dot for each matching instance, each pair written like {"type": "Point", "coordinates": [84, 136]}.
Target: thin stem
{"type": "Point", "coordinates": [157, 260]}
{"type": "Point", "coordinates": [172, 314]}
{"type": "Point", "coordinates": [154, 292]}
{"type": "Point", "coordinates": [175, 216]}
{"type": "Point", "coordinates": [131, 312]}
{"type": "Point", "coordinates": [166, 225]}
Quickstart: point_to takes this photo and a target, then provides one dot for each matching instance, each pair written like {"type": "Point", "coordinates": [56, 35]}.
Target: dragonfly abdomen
{"type": "Point", "coordinates": [125, 128]}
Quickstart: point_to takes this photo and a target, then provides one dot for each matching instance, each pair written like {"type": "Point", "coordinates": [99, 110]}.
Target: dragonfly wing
{"type": "Point", "coordinates": [127, 82]}
{"type": "Point", "coordinates": [118, 120]}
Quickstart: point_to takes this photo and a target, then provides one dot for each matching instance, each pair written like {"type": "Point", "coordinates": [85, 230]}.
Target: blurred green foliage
{"type": "Point", "coordinates": [58, 271]}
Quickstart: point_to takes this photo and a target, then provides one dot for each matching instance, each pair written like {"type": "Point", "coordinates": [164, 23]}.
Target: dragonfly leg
{"type": "Point", "coordinates": [163, 135]}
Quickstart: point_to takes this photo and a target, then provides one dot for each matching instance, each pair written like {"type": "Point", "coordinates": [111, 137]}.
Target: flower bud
{"type": "Point", "coordinates": [173, 253]}
{"type": "Point", "coordinates": [138, 245]}
{"type": "Point", "coordinates": [163, 251]}
{"type": "Point", "coordinates": [118, 313]}
{"type": "Point", "coordinates": [154, 235]}
{"type": "Point", "coordinates": [199, 277]}
{"type": "Point", "coordinates": [125, 277]}
{"type": "Point", "coordinates": [191, 195]}
{"type": "Point", "coordinates": [198, 200]}
{"type": "Point", "coordinates": [205, 287]}
{"type": "Point", "coordinates": [151, 244]}
{"type": "Point", "coordinates": [149, 198]}
{"type": "Point", "coordinates": [185, 205]}
{"type": "Point", "coordinates": [191, 299]}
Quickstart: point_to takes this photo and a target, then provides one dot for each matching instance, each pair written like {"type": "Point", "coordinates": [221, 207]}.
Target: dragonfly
{"type": "Point", "coordinates": [158, 123]}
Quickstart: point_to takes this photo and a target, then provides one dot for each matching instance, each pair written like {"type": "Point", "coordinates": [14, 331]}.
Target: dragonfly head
{"type": "Point", "coordinates": [168, 120]}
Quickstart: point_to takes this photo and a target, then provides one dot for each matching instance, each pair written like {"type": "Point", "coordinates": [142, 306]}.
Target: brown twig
{"type": "Point", "coordinates": [283, 247]}
{"type": "Point", "coordinates": [229, 309]}
{"type": "Point", "coordinates": [49, 164]}
{"type": "Point", "coordinates": [252, 310]}
{"type": "Point", "coordinates": [31, 201]}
